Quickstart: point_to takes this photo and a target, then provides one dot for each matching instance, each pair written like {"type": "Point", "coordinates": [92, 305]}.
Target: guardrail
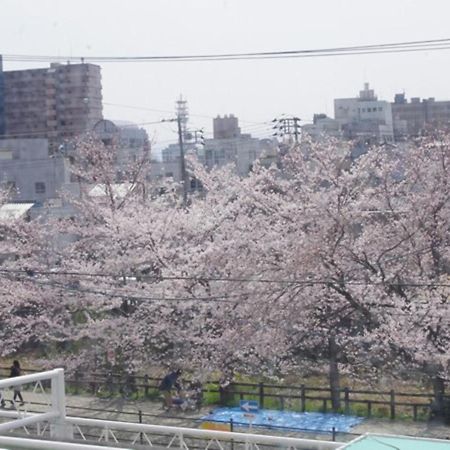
{"type": "Point", "coordinates": [139, 416]}
{"type": "Point", "coordinates": [57, 404]}
{"type": "Point", "coordinates": [26, 443]}
{"type": "Point", "coordinates": [147, 435]}
{"type": "Point", "coordinates": [299, 397]}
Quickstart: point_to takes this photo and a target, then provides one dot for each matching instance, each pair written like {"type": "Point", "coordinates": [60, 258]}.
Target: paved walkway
{"type": "Point", "coordinates": [153, 413]}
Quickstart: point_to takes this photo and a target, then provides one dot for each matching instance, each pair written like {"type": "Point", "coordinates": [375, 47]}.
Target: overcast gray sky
{"type": "Point", "coordinates": [255, 91]}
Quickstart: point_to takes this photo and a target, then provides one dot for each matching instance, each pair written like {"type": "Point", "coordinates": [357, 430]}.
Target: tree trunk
{"type": "Point", "coordinates": [334, 376]}
{"type": "Point", "coordinates": [439, 393]}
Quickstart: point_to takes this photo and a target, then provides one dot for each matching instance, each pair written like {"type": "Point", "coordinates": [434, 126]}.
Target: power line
{"type": "Point", "coordinates": [397, 47]}
{"type": "Point", "coordinates": [137, 298]}
{"type": "Point", "coordinates": [44, 133]}
{"type": "Point", "coordinates": [32, 272]}
{"type": "Point", "coordinates": [167, 111]}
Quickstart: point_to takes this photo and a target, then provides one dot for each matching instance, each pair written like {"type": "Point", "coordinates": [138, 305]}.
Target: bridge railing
{"type": "Point", "coordinates": [56, 403]}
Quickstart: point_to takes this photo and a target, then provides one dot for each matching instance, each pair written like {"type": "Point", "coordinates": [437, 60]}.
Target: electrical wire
{"type": "Point", "coordinates": [133, 297]}
{"type": "Point", "coordinates": [145, 108]}
{"type": "Point", "coordinates": [397, 47]}
{"type": "Point", "coordinates": [211, 299]}
{"type": "Point", "coordinates": [325, 282]}
{"type": "Point", "coordinates": [73, 130]}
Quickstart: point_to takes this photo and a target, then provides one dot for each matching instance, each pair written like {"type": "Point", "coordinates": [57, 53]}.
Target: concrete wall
{"type": "Point", "coordinates": [26, 167]}
{"type": "Point", "coordinates": [411, 118]}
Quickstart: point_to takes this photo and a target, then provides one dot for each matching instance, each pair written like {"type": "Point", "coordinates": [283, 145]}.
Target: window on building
{"type": "Point", "coordinates": [380, 108]}
{"type": "Point", "coordinates": [39, 187]}
{"type": "Point", "coordinates": [364, 110]}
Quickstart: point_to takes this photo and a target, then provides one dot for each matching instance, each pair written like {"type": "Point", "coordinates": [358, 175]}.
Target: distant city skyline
{"type": "Point", "coordinates": [254, 91]}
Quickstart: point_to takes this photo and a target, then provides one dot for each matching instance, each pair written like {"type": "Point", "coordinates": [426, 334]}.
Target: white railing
{"type": "Point", "coordinates": [180, 437]}
{"type": "Point", "coordinates": [24, 443]}
{"type": "Point", "coordinates": [177, 437]}
{"type": "Point", "coordinates": [65, 428]}
{"type": "Point", "coordinates": [57, 403]}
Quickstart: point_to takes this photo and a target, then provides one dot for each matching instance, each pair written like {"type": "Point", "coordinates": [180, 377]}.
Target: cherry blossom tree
{"type": "Point", "coordinates": [325, 259]}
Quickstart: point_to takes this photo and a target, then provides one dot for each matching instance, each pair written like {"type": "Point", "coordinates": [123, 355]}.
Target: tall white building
{"type": "Point", "coordinates": [365, 116]}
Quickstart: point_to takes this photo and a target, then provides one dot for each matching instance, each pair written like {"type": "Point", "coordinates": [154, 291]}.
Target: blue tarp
{"type": "Point", "coordinates": [286, 419]}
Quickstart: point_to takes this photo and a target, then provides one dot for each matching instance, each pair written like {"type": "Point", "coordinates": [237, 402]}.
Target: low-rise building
{"type": "Point", "coordinates": [131, 142]}
{"type": "Point", "coordinates": [29, 172]}
{"type": "Point", "coordinates": [323, 126]}
{"type": "Point", "coordinates": [228, 146]}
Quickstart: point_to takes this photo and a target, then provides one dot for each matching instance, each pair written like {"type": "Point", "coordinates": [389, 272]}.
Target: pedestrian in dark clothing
{"type": "Point", "coordinates": [169, 382]}
{"type": "Point", "coordinates": [16, 371]}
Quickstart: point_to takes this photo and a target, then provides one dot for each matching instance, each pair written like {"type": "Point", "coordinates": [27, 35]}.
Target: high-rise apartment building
{"type": "Point", "coordinates": [57, 103]}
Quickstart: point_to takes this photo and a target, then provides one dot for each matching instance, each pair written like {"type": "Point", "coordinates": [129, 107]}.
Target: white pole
{"type": "Point", "coordinates": [59, 429]}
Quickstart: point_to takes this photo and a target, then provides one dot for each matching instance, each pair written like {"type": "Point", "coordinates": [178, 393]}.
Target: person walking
{"type": "Point", "coordinates": [169, 382]}
{"type": "Point", "coordinates": [16, 371]}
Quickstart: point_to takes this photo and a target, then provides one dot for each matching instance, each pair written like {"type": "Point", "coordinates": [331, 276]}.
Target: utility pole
{"type": "Point", "coordinates": [289, 126]}
{"type": "Point", "coordinates": [187, 141]}
{"type": "Point", "coordinates": [194, 142]}
{"type": "Point", "coordinates": [182, 120]}
{"type": "Point", "coordinates": [197, 137]}
{"type": "Point", "coordinates": [182, 160]}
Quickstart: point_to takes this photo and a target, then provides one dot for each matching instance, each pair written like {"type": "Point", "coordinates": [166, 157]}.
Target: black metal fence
{"type": "Point", "coordinates": [139, 416]}
{"type": "Point", "coordinates": [368, 403]}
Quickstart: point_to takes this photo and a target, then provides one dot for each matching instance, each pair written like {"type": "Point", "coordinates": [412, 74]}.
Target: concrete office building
{"type": "Point", "coordinates": [57, 103]}
{"type": "Point", "coordinates": [29, 173]}
{"type": "Point", "coordinates": [365, 117]}
{"type": "Point", "coordinates": [323, 126]}
{"type": "Point", "coordinates": [229, 146]}
{"type": "Point", "coordinates": [411, 118]}
{"type": "Point", "coordinates": [226, 127]}
{"type": "Point", "coordinates": [242, 151]}
{"type": "Point", "coordinates": [131, 142]}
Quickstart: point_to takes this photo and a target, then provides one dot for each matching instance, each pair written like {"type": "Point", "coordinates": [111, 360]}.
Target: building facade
{"type": "Point", "coordinates": [411, 118]}
{"type": "Point", "coordinates": [131, 142]}
{"type": "Point", "coordinates": [57, 103]}
{"type": "Point", "coordinates": [229, 146]}
{"type": "Point", "coordinates": [29, 173]}
{"type": "Point", "coordinates": [365, 117]}
{"type": "Point", "coordinates": [323, 126]}
{"type": "Point", "coordinates": [226, 127]}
